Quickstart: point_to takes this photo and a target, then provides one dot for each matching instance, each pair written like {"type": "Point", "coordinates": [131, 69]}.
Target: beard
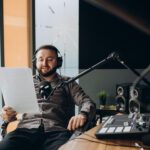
{"type": "Point", "coordinates": [49, 73]}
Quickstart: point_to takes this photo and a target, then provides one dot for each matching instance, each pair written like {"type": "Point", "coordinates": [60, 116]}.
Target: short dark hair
{"type": "Point", "coordinates": [49, 47]}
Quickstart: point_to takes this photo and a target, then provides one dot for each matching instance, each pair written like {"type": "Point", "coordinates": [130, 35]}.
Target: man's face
{"type": "Point", "coordinates": [46, 62]}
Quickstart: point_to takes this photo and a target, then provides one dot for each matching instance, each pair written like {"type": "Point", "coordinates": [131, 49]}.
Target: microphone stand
{"type": "Point", "coordinates": [137, 80]}
{"type": "Point", "coordinates": [143, 74]}
{"type": "Point", "coordinates": [113, 55]}
{"type": "Point", "coordinates": [133, 70]}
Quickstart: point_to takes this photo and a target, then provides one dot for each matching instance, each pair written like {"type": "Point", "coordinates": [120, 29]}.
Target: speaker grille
{"type": "Point", "coordinates": [134, 106]}
{"type": "Point", "coordinates": [139, 99]}
{"type": "Point", "coordinates": [122, 97]}
{"type": "Point", "coordinates": [121, 104]}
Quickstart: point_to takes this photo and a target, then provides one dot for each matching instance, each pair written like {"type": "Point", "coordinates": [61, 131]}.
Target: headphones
{"type": "Point", "coordinates": [50, 48]}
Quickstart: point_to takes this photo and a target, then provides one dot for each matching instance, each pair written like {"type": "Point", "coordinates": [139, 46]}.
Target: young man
{"type": "Point", "coordinates": [52, 126]}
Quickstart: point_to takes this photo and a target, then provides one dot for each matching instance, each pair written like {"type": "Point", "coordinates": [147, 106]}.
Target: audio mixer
{"type": "Point", "coordinates": [124, 126]}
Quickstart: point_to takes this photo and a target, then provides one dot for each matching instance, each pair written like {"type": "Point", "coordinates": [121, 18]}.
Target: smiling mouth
{"type": "Point", "coordinates": [45, 68]}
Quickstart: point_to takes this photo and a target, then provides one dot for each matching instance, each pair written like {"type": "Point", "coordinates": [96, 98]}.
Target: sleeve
{"type": "Point", "coordinates": [81, 99]}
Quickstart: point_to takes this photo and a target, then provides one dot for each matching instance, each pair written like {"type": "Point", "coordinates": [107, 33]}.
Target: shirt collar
{"type": "Point", "coordinates": [57, 79]}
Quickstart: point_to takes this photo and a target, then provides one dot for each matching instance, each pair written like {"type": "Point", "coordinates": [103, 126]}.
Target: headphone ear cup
{"type": "Point", "coordinates": [60, 61]}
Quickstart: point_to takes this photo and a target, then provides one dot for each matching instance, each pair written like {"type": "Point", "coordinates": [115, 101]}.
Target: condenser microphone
{"type": "Point", "coordinates": [45, 89]}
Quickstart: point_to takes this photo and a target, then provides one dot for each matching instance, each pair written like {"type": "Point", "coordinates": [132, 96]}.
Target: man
{"type": "Point", "coordinates": [52, 126]}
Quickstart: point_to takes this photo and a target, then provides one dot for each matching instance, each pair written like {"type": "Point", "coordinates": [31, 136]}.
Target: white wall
{"type": "Point", "coordinates": [57, 23]}
{"type": "Point", "coordinates": [0, 100]}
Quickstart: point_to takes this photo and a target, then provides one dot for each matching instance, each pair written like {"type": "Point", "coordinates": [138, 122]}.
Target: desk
{"type": "Point", "coordinates": [84, 142]}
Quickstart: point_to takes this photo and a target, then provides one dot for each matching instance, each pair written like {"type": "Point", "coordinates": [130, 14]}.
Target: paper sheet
{"type": "Point", "coordinates": [18, 90]}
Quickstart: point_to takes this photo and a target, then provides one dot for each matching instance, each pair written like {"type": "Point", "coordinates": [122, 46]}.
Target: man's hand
{"type": "Point", "coordinates": [76, 122]}
{"type": "Point", "coordinates": [8, 114]}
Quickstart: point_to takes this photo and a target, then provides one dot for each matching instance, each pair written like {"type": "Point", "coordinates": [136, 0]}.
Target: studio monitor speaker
{"type": "Point", "coordinates": [140, 99]}
{"type": "Point", "coordinates": [122, 97]}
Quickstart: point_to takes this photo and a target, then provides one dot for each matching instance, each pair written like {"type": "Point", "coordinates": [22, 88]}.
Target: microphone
{"type": "Point", "coordinates": [45, 89]}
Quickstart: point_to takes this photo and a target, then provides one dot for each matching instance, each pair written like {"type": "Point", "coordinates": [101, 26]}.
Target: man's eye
{"type": "Point", "coordinates": [40, 60]}
{"type": "Point", "coordinates": [50, 59]}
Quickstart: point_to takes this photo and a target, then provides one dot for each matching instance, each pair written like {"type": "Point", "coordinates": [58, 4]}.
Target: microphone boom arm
{"type": "Point", "coordinates": [111, 56]}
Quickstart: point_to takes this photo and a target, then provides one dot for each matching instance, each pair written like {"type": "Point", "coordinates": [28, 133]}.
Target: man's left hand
{"type": "Point", "coordinates": [76, 122]}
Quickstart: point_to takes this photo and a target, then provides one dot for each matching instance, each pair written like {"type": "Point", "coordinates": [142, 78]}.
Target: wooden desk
{"type": "Point", "coordinates": [88, 141]}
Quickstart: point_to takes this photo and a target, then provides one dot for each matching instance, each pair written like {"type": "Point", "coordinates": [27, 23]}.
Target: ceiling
{"type": "Point", "coordinates": [134, 12]}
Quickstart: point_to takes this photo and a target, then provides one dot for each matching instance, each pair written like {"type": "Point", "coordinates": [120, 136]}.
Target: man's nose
{"type": "Point", "coordinates": [45, 62]}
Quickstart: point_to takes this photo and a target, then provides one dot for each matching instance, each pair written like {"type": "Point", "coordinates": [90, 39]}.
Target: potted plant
{"type": "Point", "coordinates": [102, 95]}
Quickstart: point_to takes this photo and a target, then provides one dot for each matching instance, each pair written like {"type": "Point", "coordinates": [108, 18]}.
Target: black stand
{"type": "Point", "coordinates": [104, 61]}
{"type": "Point", "coordinates": [112, 56]}
{"type": "Point", "coordinates": [133, 70]}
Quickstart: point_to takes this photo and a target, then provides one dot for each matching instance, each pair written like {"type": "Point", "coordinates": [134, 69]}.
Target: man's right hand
{"type": "Point", "coordinates": [8, 114]}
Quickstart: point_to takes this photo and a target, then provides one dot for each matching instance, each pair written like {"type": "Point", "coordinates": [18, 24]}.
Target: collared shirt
{"type": "Point", "coordinates": [58, 108]}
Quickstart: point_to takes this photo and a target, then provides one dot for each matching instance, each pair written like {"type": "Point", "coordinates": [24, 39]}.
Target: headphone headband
{"type": "Point", "coordinates": [51, 48]}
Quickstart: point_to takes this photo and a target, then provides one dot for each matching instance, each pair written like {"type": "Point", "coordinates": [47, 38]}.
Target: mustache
{"type": "Point", "coordinates": [52, 71]}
